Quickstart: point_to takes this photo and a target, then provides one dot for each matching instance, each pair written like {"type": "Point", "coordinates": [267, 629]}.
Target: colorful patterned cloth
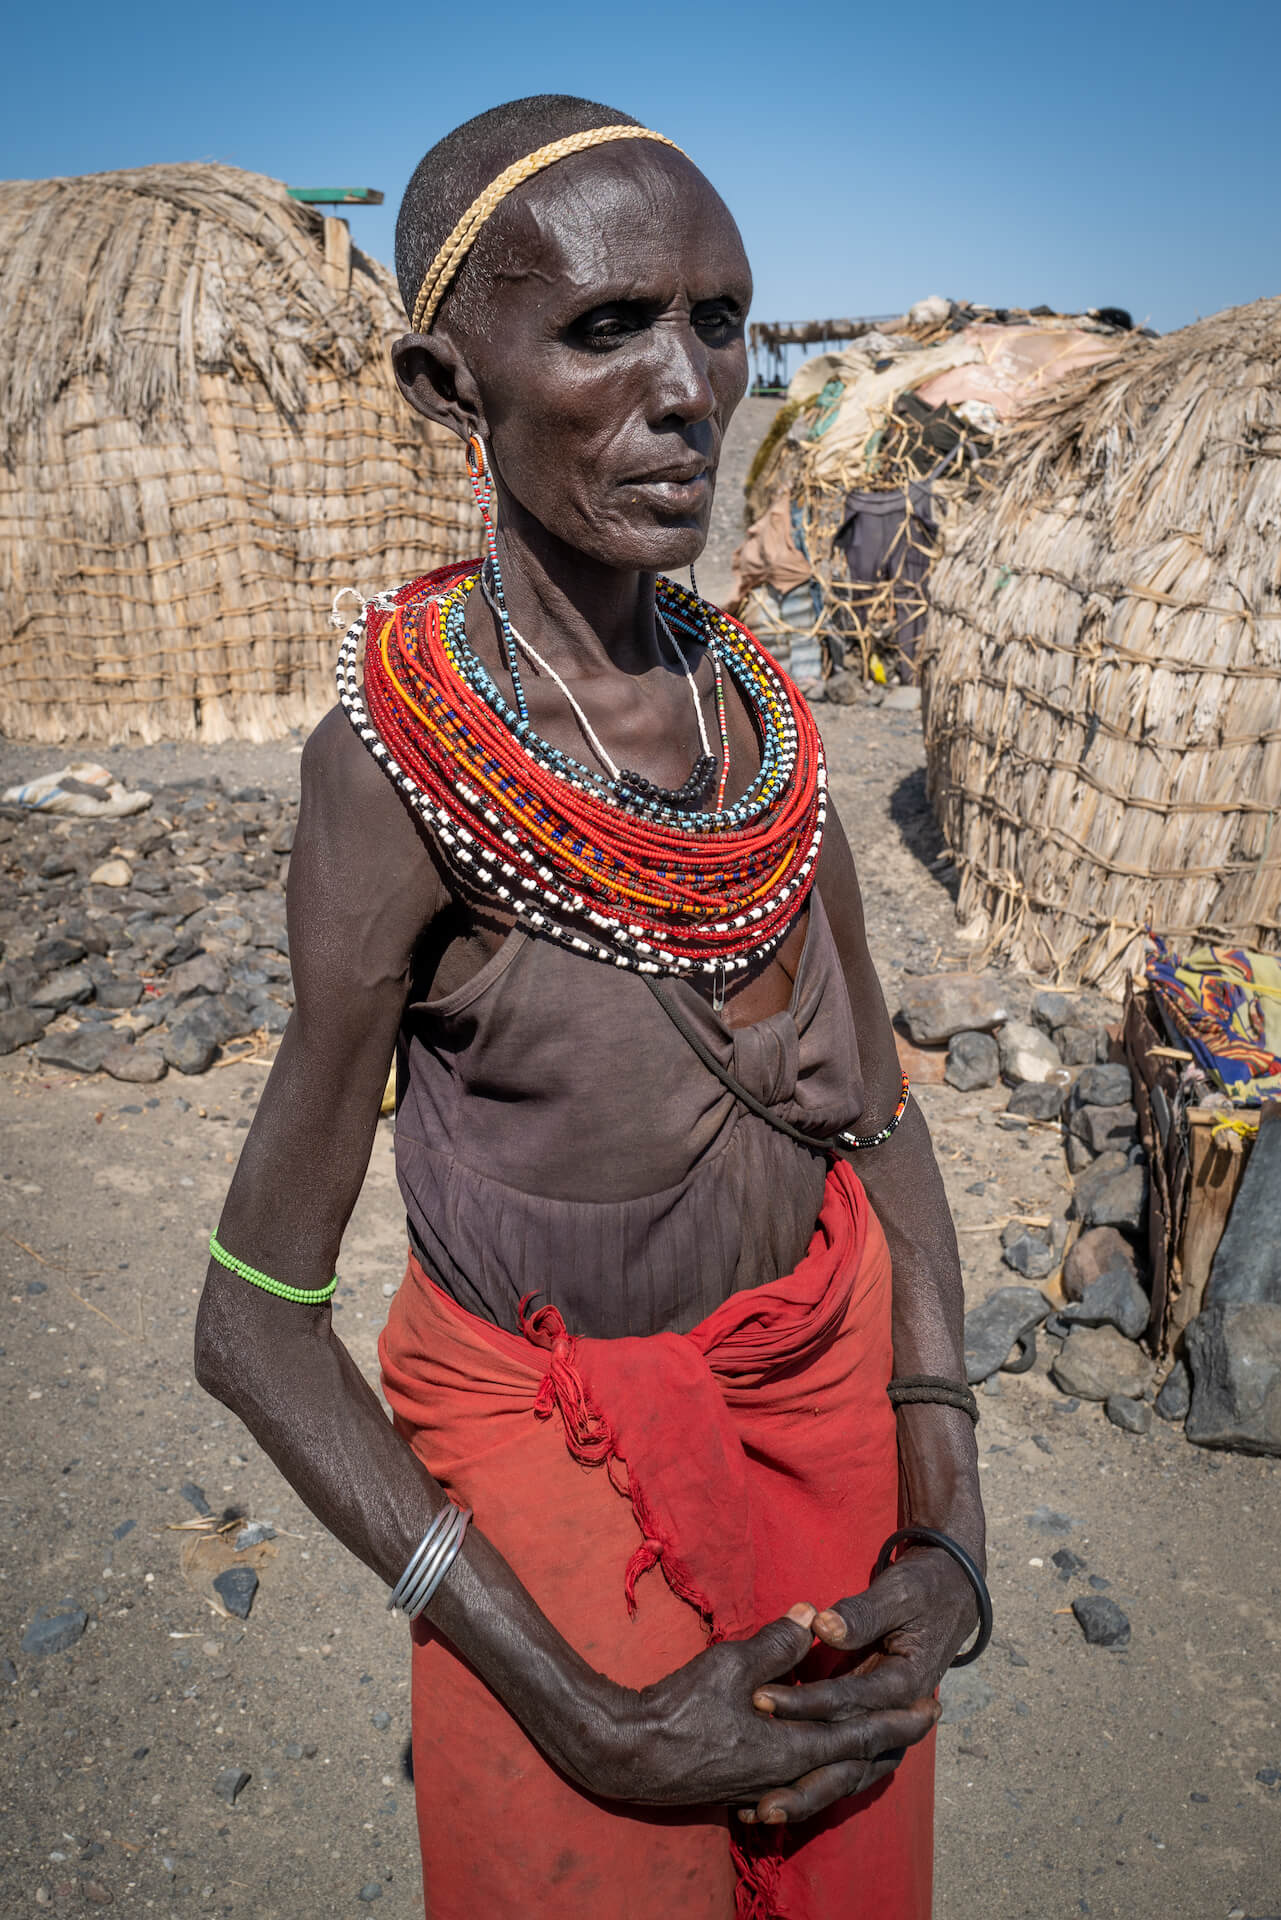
{"type": "Point", "coordinates": [1224, 1004]}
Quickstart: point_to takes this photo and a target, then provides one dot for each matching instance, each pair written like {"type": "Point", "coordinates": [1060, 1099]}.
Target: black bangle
{"type": "Point", "coordinates": [930, 1537]}
{"type": "Point", "coordinates": [922, 1389]}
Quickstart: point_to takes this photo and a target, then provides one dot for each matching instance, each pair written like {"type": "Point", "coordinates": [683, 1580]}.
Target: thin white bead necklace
{"type": "Point", "coordinates": [589, 732]}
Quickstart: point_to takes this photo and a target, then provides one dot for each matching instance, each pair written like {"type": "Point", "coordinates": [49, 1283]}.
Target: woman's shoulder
{"type": "Point", "coordinates": [353, 817]}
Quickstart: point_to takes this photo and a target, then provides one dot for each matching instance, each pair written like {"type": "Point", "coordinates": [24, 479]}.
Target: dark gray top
{"type": "Point", "coordinates": [556, 1134]}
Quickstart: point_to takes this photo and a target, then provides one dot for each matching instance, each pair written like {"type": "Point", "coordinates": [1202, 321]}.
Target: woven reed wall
{"type": "Point", "coordinates": [1102, 666]}
{"type": "Point", "coordinates": [200, 444]}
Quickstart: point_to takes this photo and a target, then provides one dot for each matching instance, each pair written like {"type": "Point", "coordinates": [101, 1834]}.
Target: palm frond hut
{"type": "Point", "coordinates": [200, 444]}
{"type": "Point", "coordinates": [1102, 661]}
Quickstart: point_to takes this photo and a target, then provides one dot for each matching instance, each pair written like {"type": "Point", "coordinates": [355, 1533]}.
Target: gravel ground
{"type": "Point", "coordinates": [1141, 1783]}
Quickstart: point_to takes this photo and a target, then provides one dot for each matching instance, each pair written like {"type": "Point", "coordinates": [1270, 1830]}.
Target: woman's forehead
{"type": "Point", "coordinates": [602, 220]}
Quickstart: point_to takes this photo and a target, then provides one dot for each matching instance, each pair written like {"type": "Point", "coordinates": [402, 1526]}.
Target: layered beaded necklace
{"type": "Point", "coordinates": [605, 863]}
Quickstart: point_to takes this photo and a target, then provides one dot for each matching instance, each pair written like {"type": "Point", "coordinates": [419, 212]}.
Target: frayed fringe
{"type": "Point", "coordinates": [591, 1439]}
{"type": "Point", "coordinates": [756, 1895]}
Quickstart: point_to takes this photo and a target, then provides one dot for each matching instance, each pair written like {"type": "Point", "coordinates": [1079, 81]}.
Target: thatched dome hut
{"type": "Point", "coordinates": [1102, 662]}
{"type": "Point", "coordinates": [200, 444]}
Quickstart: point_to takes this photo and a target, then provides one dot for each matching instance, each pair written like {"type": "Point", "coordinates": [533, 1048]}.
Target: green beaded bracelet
{"type": "Point", "coordinates": [315, 1297]}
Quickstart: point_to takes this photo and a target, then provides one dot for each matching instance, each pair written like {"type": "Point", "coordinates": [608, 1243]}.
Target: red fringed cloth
{"type": "Point", "coordinates": [754, 1462]}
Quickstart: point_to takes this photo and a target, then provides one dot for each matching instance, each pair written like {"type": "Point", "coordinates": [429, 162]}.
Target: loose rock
{"type": "Point", "coordinates": [372, 1890]}
{"type": "Point", "coordinates": [1094, 1253]}
{"type": "Point", "coordinates": [1103, 1086]}
{"type": "Point", "coordinates": [1081, 1046]}
{"type": "Point", "coordinates": [973, 1061]}
{"type": "Point", "coordinates": [1096, 1362]}
{"type": "Point", "coordinates": [1247, 1263]}
{"type": "Point", "coordinates": [231, 1783]}
{"type": "Point", "coordinates": [1051, 1010]}
{"type": "Point", "coordinates": [1135, 1416]}
{"type": "Point", "coordinates": [999, 1324]}
{"type": "Point", "coordinates": [1175, 1396]}
{"type": "Point", "coordinates": [63, 990]}
{"type": "Point", "coordinates": [20, 1027]}
{"type": "Point", "coordinates": [53, 1630]}
{"type": "Point", "coordinates": [1111, 1193]}
{"type": "Point", "coordinates": [1028, 1054]}
{"type": "Point", "coordinates": [80, 1051]}
{"type": "Point", "coordinates": [1105, 1129]}
{"type": "Point", "coordinates": [139, 1065]}
{"type": "Point", "coordinates": [119, 992]}
{"type": "Point", "coordinates": [203, 973]}
{"type": "Point", "coordinates": [1031, 1254]}
{"type": "Point", "coordinates": [1235, 1357]}
{"type": "Point", "coordinates": [1037, 1100]}
{"type": "Point", "coordinates": [938, 1005]}
{"type": "Point", "coordinates": [253, 1534]}
{"type": "Point", "coordinates": [236, 1587]}
{"type": "Point", "coordinates": [191, 1044]}
{"type": "Point", "coordinates": [1101, 1621]}
{"type": "Point", "coordinates": [1114, 1300]}
{"type": "Point", "coordinates": [112, 873]}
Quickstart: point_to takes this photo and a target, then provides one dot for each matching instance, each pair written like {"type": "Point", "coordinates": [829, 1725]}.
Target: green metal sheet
{"type": "Point", "coordinates": [337, 196]}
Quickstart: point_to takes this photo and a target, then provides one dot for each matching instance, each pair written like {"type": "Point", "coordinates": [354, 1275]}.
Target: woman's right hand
{"type": "Point", "coordinates": [695, 1738]}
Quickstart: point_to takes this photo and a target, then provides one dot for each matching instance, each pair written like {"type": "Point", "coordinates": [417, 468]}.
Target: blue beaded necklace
{"type": "Point", "coordinates": [772, 719]}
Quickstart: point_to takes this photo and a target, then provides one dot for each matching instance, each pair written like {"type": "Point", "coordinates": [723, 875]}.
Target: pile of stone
{"type": "Point", "coordinates": [1055, 1064]}
{"type": "Point", "coordinates": [1227, 1387]}
{"type": "Point", "coordinates": [134, 946]}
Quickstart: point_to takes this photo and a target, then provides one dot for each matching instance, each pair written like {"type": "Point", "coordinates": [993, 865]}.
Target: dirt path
{"type": "Point", "coordinates": [1132, 1784]}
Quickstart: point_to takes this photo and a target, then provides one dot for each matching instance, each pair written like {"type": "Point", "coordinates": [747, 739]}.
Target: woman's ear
{"type": "Point", "coordinates": [437, 382]}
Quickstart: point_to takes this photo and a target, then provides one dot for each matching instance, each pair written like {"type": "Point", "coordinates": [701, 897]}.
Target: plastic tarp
{"type": "Point", "coordinates": [1015, 366]}
{"type": "Point", "coordinates": [1004, 367]}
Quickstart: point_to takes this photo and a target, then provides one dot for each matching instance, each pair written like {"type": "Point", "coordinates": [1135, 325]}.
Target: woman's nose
{"type": "Point", "coordinates": [683, 386]}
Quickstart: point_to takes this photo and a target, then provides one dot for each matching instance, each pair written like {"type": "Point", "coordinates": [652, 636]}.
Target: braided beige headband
{"type": "Point", "coordinates": [441, 272]}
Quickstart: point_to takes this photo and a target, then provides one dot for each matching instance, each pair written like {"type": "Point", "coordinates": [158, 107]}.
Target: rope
{"type": "Point", "coordinates": [441, 272]}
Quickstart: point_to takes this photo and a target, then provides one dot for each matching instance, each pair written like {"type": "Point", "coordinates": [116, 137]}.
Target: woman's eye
{"type": "Point", "coordinates": [606, 329]}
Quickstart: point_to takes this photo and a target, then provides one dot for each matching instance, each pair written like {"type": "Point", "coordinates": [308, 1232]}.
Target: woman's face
{"type": "Point", "coordinates": [613, 353]}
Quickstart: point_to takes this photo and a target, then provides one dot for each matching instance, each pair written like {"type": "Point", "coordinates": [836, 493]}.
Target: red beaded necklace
{"type": "Point", "coordinates": [712, 893]}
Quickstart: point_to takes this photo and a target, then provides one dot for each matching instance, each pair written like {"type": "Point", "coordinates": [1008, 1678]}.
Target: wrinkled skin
{"type": "Point", "coordinates": [602, 384]}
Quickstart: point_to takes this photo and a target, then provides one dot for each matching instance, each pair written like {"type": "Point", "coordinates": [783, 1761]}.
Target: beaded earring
{"type": "Point", "coordinates": [480, 473]}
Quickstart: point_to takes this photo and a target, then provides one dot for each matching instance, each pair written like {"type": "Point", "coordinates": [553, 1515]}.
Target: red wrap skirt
{"type": "Point", "coordinates": [649, 1492]}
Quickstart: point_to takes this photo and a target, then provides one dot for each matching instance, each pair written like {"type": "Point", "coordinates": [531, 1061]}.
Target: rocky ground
{"type": "Point", "coordinates": [1132, 1781]}
{"type": "Point", "coordinates": [178, 1739]}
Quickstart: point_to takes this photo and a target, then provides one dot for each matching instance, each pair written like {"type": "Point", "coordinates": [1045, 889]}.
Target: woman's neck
{"type": "Point", "coordinates": [584, 617]}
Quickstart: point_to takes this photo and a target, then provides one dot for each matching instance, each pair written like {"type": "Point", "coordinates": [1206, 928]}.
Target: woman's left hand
{"type": "Point", "coordinates": [908, 1625]}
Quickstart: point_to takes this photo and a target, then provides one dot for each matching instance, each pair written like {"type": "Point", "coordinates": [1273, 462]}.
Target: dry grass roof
{"type": "Point", "coordinates": [1102, 665]}
{"type": "Point", "coordinates": [200, 444]}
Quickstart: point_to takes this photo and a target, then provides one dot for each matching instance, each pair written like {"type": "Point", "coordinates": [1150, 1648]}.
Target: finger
{"type": "Point", "coordinates": [891, 1683]}
{"type": "Point", "coordinates": [777, 1648]}
{"type": "Point", "coordinates": [867, 1736]}
{"type": "Point", "coordinates": [783, 1806]}
{"type": "Point", "coordinates": [864, 1618]}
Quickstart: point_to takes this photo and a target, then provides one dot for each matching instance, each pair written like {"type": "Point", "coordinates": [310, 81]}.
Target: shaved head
{"type": "Point", "coordinates": [461, 166]}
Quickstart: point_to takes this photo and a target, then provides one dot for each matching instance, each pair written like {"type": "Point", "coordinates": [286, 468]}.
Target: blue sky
{"type": "Point", "coordinates": [1093, 154]}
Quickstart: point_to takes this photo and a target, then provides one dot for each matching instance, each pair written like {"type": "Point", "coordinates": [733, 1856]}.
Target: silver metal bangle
{"type": "Point", "coordinates": [442, 1559]}
{"type": "Point", "coordinates": [409, 1577]}
{"type": "Point", "coordinates": [425, 1579]}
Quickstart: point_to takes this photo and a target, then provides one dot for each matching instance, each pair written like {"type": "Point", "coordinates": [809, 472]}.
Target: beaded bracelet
{"type": "Point", "coordinates": [923, 1389]}
{"type": "Point", "coordinates": [303, 1296]}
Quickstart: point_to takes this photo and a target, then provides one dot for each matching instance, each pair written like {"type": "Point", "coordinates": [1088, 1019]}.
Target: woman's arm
{"type": "Point", "coordinates": [937, 1453]}
{"type": "Point", "coordinates": [362, 889]}
{"type": "Point", "coordinates": [919, 1611]}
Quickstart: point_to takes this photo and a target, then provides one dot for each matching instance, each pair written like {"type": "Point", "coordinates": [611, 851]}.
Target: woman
{"type": "Point", "coordinates": [565, 847]}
